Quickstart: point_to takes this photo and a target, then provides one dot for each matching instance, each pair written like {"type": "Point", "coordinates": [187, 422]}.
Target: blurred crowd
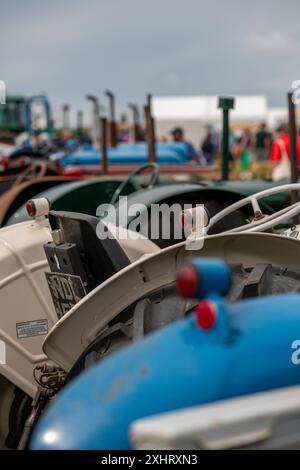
{"type": "Point", "coordinates": [253, 152]}
{"type": "Point", "coordinates": [250, 150]}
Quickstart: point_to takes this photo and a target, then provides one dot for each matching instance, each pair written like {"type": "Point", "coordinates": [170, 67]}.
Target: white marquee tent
{"type": "Point", "coordinates": [194, 113]}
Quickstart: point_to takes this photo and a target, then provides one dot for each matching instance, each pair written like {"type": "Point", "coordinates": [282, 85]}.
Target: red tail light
{"type": "Point", "coordinates": [206, 314]}
{"type": "Point", "coordinates": [31, 209]}
{"type": "Point", "coordinates": [187, 280]}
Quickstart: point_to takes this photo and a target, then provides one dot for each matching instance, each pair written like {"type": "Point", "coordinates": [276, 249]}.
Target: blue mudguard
{"type": "Point", "coordinates": [247, 349]}
{"type": "Point", "coordinates": [136, 153]}
{"type": "Point", "coordinates": [177, 147]}
{"type": "Point", "coordinates": [83, 158]}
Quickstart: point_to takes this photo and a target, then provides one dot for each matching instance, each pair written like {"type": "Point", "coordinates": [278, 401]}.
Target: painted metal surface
{"type": "Point", "coordinates": [224, 192]}
{"type": "Point", "coordinates": [83, 196]}
{"type": "Point", "coordinates": [211, 275]}
{"type": "Point", "coordinates": [85, 321]}
{"type": "Point", "coordinates": [11, 199]}
{"type": "Point", "coordinates": [260, 421]}
{"type": "Point", "coordinates": [12, 115]}
{"type": "Point", "coordinates": [248, 350]}
{"type": "Point", "coordinates": [27, 312]}
{"type": "Point", "coordinates": [167, 153]}
{"type": "Point", "coordinates": [77, 196]}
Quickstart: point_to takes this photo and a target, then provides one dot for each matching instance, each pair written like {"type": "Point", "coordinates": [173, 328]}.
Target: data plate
{"type": "Point", "coordinates": [66, 290]}
{"type": "Point", "coordinates": [27, 329]}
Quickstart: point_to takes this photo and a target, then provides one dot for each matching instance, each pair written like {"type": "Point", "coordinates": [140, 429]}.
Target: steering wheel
{"type": "Point", "coordinates": [36, 169]}
{"type": "Point", "coordinates": [263, 222]}
{"type": "Point", "coordinates": [153, 179]}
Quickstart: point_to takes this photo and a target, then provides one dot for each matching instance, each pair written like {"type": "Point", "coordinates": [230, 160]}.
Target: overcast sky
{"type": "Point", "coordinates": [167, 47]}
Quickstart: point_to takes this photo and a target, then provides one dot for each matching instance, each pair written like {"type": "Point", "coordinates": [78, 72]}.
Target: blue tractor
{"type": "Point", "coordinates": [217, 352]}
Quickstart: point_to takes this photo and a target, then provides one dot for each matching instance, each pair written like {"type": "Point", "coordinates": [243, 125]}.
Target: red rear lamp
{"type": "Point", "coordinates": [206, 315]}
{"type": "Point", "coordinates": [183, 220]}
{"type": "Point", "coordinates": [187, 280]}
{"type": "Point", "coordinates": [186, 219]}
{"type": "Point", "coordinates": [31, 209]}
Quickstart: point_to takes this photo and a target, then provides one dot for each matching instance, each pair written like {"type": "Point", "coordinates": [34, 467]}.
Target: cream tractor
{"type": "Point", "coordinates": [36, 330]}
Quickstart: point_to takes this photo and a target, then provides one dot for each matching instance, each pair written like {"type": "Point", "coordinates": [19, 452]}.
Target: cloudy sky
{"type": "Point", "coordinates": [167, 47]}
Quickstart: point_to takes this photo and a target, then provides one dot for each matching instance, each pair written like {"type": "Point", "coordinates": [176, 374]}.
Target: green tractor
{"type": "Point", "coordinates": [12, 117]}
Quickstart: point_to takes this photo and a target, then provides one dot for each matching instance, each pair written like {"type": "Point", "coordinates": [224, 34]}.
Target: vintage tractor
{"type": "Point", "coordinates": [216, 352]}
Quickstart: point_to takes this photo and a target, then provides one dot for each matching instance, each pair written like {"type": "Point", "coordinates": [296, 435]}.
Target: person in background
{"type": "Point", "coordinates": [282, 145]}
{"type": "Point", "coordinates": [247, 150]}
{"type": "Point", "coordinates": [263, 143]}
{"type": "Point", "coordinates": [241, 152]}
{"type": "Point", "coordinates": [123, 130]}
{"type": "Point", "coordinates": [65, 139]}
{"type": "Point", "coordinates": [209, 147]}
{"type": "Point", "coordinates": [141, 133]}
{"type": "Point", "coordinates": [232, 140]}
{"type": "Point", "coordinates": [178, 136]}
{"type": "Point", "coordinates": [65, 135]}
